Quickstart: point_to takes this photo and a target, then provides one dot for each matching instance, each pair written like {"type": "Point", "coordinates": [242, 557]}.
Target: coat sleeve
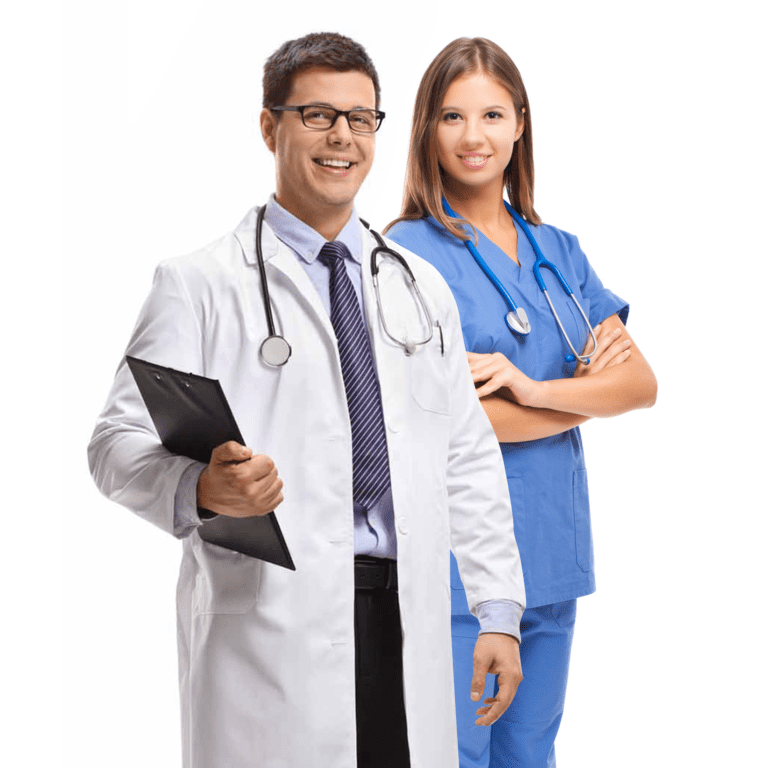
{"type": "Point", "coordinates": [482, 530]}
{"type": "Point", "coordinates": [127, 460]}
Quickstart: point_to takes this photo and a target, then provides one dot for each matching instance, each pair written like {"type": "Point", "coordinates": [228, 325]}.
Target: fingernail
{"type": "Point", "coordinates": [475, 696]}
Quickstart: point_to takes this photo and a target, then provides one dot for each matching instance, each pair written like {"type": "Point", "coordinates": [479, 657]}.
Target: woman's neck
{"type": "Point", "coordinates": [483, 207]}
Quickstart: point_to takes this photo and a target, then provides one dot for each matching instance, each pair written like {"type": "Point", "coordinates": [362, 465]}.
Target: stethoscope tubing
{"type": "Point", "coordinates": [383, 248]}
{"type": "Point", "coordinates": [275, 350]}
{"type": "Point", "coordinates": [541, 261]}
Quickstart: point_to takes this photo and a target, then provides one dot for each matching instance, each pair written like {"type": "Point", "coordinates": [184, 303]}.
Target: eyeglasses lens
{"type": "Point", "coordinates": [360, 121]}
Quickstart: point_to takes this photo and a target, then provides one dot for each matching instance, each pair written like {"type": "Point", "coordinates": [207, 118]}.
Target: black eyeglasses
{"type": "Point", "coordinates": [321, 118]}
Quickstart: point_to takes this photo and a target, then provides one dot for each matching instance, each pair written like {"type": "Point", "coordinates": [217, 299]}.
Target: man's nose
{"type": "Point", "coordinates": [340, 132]}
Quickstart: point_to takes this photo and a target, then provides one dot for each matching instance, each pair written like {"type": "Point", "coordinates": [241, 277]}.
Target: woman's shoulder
{"type": "Point", "coordinates": [554, 234]}
{"type": "Point", "coordinates": [427, 239]}
{"type": "Point", "coordinates": [424, 230]}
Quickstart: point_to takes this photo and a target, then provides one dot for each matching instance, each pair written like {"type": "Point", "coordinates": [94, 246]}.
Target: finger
{"type": "Point", "coordinates": [494, 712]}
{"type": "Point", "coordinates": [230, 451]}
{"type": "Point", "coordinates": [620, 358]}
{"type": "Point", "coordinates": [261, 467]}
{"type": "Point", "coordinates": [487, 706]}
{"type": "Point", "coordinates": [480, 669]}
{"type": "Point", "coordinates": [603, 343]}
{"type": "Point", "coordinates": [596, 330]}
{"type": "Point", "coordinates": [272, 490]}
{"type": "Point", "coordinates": [488, 388]}
{"type": "Point", "coordinates": [485, 369]}
{"type": "Point", "coordinates": [618, 347]}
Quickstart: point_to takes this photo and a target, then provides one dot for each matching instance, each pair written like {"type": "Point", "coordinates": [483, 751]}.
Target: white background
{"type": "Point", "coordinates": [649, 134]}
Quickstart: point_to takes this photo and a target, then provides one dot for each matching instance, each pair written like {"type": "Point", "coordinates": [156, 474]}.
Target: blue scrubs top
{"type": "Point", "coordinates": [547, 478]}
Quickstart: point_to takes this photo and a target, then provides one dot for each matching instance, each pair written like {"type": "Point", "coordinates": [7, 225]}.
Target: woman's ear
{"type": "Point", "coordinates": [520, 126]}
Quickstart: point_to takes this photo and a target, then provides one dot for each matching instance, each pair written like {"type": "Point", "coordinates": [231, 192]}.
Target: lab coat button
{"type": "Point", "coordinates": [401, 526]}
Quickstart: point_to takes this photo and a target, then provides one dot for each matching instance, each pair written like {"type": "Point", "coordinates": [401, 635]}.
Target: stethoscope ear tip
{"type": "Point", "coordinates": [570, 358]}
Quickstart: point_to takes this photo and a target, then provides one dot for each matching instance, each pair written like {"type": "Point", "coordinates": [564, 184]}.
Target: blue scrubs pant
{"type": "Point", "coordinates": [524, 736]}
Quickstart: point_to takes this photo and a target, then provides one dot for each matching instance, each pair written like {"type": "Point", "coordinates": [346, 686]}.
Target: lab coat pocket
{"type": "Point", "coordinates": [429, 377]}
{"type": "Point", "coordinates": [227, 581]}
{"type": "Point", "coordinates": [581, 522]}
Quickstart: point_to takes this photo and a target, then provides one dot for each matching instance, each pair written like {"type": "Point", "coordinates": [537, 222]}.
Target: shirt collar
{"type": "Point", "coordinates": [305, 241]}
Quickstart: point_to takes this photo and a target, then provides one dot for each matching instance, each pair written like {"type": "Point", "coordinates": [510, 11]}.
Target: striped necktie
{"type": "Point", "coordinates": [370, 464]}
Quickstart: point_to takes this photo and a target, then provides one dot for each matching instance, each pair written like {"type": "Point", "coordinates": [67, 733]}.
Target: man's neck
{"type": "Point", "coordinates": [326, 220]}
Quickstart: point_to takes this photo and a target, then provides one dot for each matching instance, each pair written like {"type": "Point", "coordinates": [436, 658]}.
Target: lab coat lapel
{"type": "Point", "coordinates": [278, 256]}
{"type": "Point", "coordinates": [388, 356]}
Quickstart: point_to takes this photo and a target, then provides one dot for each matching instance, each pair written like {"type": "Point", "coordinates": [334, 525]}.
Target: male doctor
{"type": "Point", "coordinates": [386, 459]}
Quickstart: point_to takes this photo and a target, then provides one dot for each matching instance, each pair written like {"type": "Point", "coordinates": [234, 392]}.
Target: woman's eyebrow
{"type": "Point", "coordinates": [458, 109]}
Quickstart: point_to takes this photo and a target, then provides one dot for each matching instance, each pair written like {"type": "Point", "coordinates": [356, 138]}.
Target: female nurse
{"type": "Point", "coordinates": [471, 141]}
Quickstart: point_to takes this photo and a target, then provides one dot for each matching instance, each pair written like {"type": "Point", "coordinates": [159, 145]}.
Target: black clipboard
{"type": "Point", "coordinates": [192, 416]}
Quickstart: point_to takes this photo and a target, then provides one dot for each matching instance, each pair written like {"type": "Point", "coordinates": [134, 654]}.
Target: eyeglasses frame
{"type": "Point", "coordinates": [378, 114]}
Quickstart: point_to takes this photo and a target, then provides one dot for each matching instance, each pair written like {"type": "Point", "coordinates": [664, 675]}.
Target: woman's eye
{"type": "Point", "coordinates": [494, 115]}
{"type": "Point", "coordinates": [449, 117]}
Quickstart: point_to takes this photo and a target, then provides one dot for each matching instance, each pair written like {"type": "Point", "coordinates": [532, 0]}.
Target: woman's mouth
{"type": "Point", "coordinates": [474, 161]}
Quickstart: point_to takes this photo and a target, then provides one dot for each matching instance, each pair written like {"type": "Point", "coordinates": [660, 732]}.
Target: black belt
{"type": "Point", "coordinates": [375, 573]}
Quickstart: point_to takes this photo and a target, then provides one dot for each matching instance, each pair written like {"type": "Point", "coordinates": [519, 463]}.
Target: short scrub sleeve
{"type": "Point", "coordinates": [602, 302]}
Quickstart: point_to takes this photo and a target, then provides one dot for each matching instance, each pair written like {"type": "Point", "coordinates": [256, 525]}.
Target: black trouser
{"type": "Point", "coordinates": [382, 737]}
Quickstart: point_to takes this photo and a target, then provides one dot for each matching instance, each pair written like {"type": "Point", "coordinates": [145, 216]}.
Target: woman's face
{"type": "Point", "coordinates": [477, 132]}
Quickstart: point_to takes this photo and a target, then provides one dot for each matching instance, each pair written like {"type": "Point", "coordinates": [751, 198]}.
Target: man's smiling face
{"type": "Point", "coordinates": [320, 171]}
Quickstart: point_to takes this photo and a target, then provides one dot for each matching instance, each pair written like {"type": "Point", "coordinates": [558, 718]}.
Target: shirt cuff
{"type": "Point", "coordinates": [185, 517]}
{"type": "Point", "coordinates": [500, 616]}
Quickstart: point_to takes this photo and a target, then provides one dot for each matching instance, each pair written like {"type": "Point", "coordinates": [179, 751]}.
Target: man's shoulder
{"type": "Point", "coordinates": [223, 257]}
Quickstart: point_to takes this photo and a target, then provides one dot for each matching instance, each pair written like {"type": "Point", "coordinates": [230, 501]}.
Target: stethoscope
{"type": "Point", "coordinates": [516, 318]}
{"type": "Point", "coordinates": [275, 351]}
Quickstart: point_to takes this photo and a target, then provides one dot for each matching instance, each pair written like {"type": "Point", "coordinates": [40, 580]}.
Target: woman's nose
{"type": "Point", "coordinates": [472, 134]}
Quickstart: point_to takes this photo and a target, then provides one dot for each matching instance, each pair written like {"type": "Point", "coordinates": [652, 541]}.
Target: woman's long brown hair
{"type": "Point", "coordinates": [424, 177]}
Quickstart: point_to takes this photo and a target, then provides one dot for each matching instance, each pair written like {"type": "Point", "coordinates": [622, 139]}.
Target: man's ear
{"type": "Point", "coordinates": [268, 123]}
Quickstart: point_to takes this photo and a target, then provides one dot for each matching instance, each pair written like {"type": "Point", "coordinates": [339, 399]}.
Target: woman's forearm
{"type": "Point", "coordinates": [611, 392]}
{"type": "Point", "coordinates": [515, 423]}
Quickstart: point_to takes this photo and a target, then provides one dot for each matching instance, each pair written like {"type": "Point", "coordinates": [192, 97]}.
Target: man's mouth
{"type": "Point", "coordinates": [330, 163]}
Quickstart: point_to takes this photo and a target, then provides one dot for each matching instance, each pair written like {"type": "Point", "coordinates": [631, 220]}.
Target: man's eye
{"type": "Point", "coordinates": [362, 118]}
{"type": "Point", "coordinates": [316, 114]}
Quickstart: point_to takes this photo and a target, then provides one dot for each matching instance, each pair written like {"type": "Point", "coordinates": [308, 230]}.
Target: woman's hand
{"type": "Point", "coordinates": [501, 376]}
{"type": "Point", "coordinates": [613, 348]}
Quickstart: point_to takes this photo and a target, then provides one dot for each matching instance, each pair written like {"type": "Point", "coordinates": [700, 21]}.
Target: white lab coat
{"type": "Point", "coordinates": [267, 655]}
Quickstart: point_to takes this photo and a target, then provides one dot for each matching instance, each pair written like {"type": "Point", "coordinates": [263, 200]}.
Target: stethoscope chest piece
{"type": "Point", "coordinates": [275, 351]}
{"type": "Point", "coordinates": [518, 321]}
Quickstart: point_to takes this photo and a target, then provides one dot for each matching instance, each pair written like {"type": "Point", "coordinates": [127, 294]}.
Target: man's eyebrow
{"type": "Point", "coordinates": [330, 106]}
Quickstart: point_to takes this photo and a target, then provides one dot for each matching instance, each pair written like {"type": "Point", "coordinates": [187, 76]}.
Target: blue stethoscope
{"type": "Point", "coordinates": [516, 318]}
